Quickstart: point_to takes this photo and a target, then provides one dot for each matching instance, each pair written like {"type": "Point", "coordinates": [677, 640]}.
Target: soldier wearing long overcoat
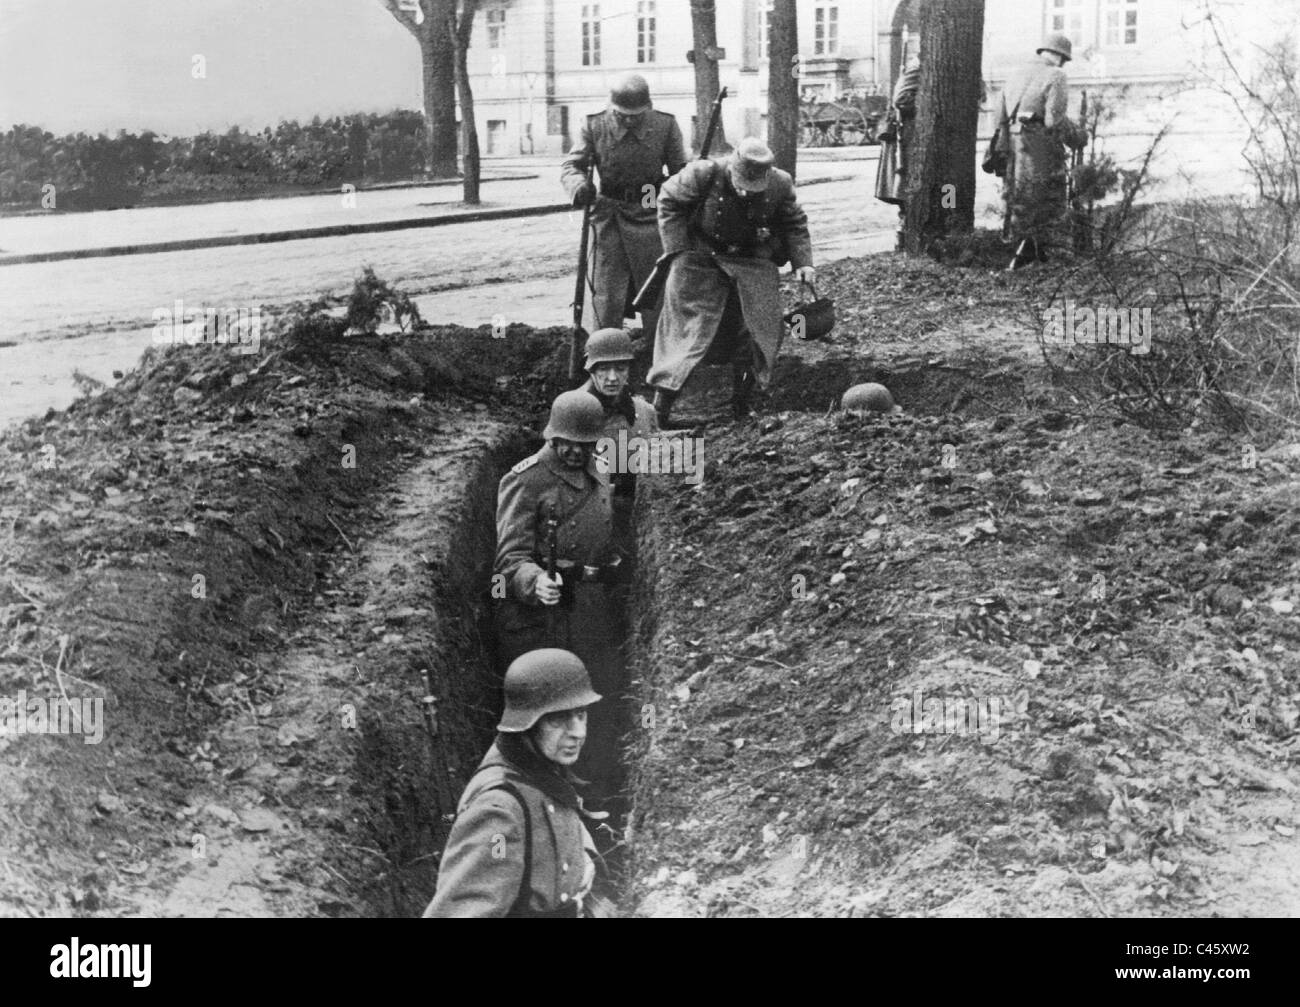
{"type": "Point", "coordinates": [633, 148]}
{"type": "Point", "coordinates": [563, 484]}
{"type": "Point", "coordinates": [728, 224]}
{"type": "Point", "coordinates": [520, 846]}
{"type": "Point", "coordinates": [1034, 110]}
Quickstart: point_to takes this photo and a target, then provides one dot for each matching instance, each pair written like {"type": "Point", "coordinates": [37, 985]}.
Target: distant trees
{"type": "Point", "coordinates": [704, 30]}
{"type": "Point", "coordinates": [460, 26]}
{"type": "Point", "coordinates": [427, 20]}
{"type": "Point", "coordinates": [783, 84]}
{"type": "Point", "coordinates": [940, 183]}
{"type": "Point", "coordinates": [322, 152]}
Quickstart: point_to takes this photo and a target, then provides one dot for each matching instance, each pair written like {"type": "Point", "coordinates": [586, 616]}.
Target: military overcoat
{"type": "Point", "coordinates": [483, 866]}
{"type": "Point", "coordinates": [728, 242]}
{"type": "Point", "coordinates": [630, 168]}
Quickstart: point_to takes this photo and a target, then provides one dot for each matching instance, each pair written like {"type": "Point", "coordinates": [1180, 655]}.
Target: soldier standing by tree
{"type": "Point", "coordinates": [631, 145]}
{"type": "Point", "coordinates": [904, 103]}
{"type": "Point", "coordinates": [1034, 111]}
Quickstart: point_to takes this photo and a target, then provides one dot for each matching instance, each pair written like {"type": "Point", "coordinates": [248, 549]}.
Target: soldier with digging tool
{"type": "Point", "coordinates": [1034, 114]}
{"type": "Point", "coordinates": [633, 148]}
{"type": "Point", "coordinates": [555, 550]}
{"type": "Point", "coordinates": [727, 225]}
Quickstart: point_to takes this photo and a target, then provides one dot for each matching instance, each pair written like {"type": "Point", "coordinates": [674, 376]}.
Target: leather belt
{"type": "Point", "coordinates": [627, 193]}
{"type": "Point", "coordinates": [720, 248]}
{"type": "Point", "coordinates": [577, 573]}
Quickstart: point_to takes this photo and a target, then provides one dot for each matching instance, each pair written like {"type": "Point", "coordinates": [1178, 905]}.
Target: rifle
{"type": "Point", "coordinates": [552, 566]}
{"type": "Point", "coordinates": [653, 289]}
{"type": "Point", "coordinates": [1081, 222]}
{"type": "Point", "coordinates": [578, 338]}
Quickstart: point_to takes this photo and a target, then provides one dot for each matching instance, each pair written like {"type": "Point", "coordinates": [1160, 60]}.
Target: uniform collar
{"type": "Point", "coordinates": [620, 131]}
{"type": "Point", "coordinates": [621, 403]}
{"type": "Point", "coordinates": [516, 752]}
{"type": "Point", "coordinates": [578, 480]}
{"type": "Point", "coordinates": [746, 197]}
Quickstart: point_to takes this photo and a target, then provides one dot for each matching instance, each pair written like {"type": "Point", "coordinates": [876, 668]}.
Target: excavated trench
{"type": "Point", "coordinates": [414, 780]}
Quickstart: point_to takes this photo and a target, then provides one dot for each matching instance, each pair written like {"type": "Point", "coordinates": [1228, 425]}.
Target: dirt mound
{"type": "Point", "coordinates": [1105, 619]}
{"type": "Point", "coordinates": [178, 548]}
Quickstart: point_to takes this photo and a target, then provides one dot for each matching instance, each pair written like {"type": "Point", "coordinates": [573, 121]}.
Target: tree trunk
{"type": "Point", "coordinates": [940, 183]}
{"type": "Point", "coordinates": [704, 28]}
{"type": "Point", "coordinates": [783, 84]}
{"type": "Point", "coordinates": [427, 21]}
{"type": "Point", "coordinates": [460, 29]}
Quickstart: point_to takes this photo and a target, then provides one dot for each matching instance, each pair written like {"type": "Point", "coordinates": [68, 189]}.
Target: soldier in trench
{"type": "Point", "coordinates": [627, 416]}
{"type": "Point", "coordinates": [561, 496]}
{"type": "Point", "coordinates": [519, 846]}
{"type": "Point", "coordinates": [728, 224]}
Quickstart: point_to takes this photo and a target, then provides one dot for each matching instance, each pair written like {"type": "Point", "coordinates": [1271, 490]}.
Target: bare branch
{"type": "Point", "coordinates": [409, 14]}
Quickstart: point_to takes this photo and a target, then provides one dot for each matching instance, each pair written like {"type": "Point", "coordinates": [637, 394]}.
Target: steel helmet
{"type": "Point", "coordinates": [541, 682]}
{"type": "Point", "coordinates": [869, 397]}
{"type": "Point", "coordinates": [608, 346]}
{"type": "Point", "coordinates": [576, 416]}
{"type": "Point", "coordinates": [631, 95]}
{"type": "Point", "coordinates": [1059, 44]}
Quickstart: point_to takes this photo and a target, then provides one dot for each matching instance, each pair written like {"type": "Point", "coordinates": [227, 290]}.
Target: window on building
{"type": "Point", "coordinates": [496, 27]}
{"type": "Point", "coordinates": [1121, 22]}
{"type": "Point", "coordinates": [645, 31]}
{"type": "Point", "coordinates": [764, 28]}
{"type": "Point", "coordinates": [826, 29]}
{"type": "Point", "coordinates": [591, 34]}
{"type": "Point", "coordinates": [1067, 17]}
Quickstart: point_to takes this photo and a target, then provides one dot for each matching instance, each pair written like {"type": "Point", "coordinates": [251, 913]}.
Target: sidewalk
{"type": "Point", "coordinates": [57, 237]}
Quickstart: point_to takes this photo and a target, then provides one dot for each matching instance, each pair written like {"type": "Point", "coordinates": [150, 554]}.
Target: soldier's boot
{"type": "Point", "coordinates": [742, 389]}
{"type": "Point", "coordinates": [663, 406]}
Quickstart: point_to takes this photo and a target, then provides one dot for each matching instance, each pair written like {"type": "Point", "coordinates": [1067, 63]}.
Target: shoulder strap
{"type": "Point", "coordinates": [698, 216]}
{"type": "Point", "coordinates": [520, 906]}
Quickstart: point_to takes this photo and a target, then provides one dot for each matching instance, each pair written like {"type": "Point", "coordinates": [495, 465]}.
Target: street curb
{"type": "Point", "coordinates": [297, 234]}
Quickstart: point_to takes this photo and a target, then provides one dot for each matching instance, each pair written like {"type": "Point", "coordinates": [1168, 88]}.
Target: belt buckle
{"type": "Point", "coordinates": [590, 572]}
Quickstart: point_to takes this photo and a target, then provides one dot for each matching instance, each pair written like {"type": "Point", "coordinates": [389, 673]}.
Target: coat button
{"type": "Point", "coordinates": [564, 896]}
{"type": "Point", "coordinates": [550, 808]}
{"type": "Point", "coordinates": [565, 868]}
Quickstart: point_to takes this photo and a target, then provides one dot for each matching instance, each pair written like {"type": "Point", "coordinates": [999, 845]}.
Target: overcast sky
{"type": "Point", "coordinates": [95, 65]}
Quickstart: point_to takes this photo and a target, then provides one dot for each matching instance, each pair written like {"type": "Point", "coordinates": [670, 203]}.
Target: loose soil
{"type": "Point", "coordinates": [269, 750]}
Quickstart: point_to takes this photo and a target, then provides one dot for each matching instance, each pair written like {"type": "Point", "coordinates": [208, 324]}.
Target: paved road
{"type": "Point", "coordinates": [96, 315]}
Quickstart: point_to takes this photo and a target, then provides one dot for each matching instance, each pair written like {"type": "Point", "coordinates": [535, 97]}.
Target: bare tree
{"type": "Point", "coordinates": [459, 28]}
{"type": "Point", "coordinates": [783, 83]}
{"type": "Point", "coordinates": [427, 21]}
{"type": "Point", "coordinates": [704, 28]}
{"type": "Point", "coordinates": [940, 184]}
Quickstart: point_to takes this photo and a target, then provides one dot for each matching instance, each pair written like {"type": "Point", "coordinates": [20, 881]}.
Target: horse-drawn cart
{"type": "Point", "coordinates": [851, 120]}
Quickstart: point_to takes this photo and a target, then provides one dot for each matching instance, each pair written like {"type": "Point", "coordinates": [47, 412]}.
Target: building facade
{"type": "Point", "coordinates": [539, 66]}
